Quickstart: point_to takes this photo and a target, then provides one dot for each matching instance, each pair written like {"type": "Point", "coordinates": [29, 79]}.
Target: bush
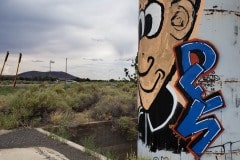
{"type": "Point", "coordinates": [114, 106]}
{"type": "Point", "coordinates": [117, 100]}
{"type": "Point", "coordinates": [127, 127]}
{"type": "Point", "coordinates": [90, 143]}
{"type": "Point", "coordinates": [49, 104]}
{"type": "Point", "coordinates": [8, 121]}
{"type": "Point", "coordinates": [83, 101]}
{"type": "Point", "coordinates": [61, 118]}
{"type": "Point", "coordinates": [82, 96]}
{"type": "Point", "coordinates": [37, 101]}
{"type": "Point", "coordinates": [61, 132]}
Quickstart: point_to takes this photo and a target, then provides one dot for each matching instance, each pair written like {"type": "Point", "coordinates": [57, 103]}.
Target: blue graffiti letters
{"type": "Point", "coordinates": [192, 125]}
{"type": "Point", "coordinates": [196, 59]}
{"type": "Point", "coordinates": [205, 52]}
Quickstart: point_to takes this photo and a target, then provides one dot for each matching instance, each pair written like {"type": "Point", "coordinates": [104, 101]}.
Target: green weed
{"type": "Point", "coordinates": [60, 131]}
{"type": "Point", "coordinates": [8, 121]}
{"type": "Point", "coordinates": [111, 156]}
{"type": "Point", "coordinates": [89, 143]}
{"type": "Point", "coordinates": [127, 127]}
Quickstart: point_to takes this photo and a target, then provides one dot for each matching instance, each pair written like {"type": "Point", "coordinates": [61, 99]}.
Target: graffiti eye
{"type": "Point", "coordinates": [153, 19]}
{"type": "Point", "coordinates": [141, 24]}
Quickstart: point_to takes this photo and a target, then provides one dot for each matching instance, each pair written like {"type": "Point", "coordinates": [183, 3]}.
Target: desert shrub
{"type": "Point", "coordinates": [3, 106]}
{"type": "Point", "coordinates": [59, 89]}
{"type": "Point", "coordinates": [90, 143]}
{"type": "Point", "coordinates": [106, 108]}
{"type": "Point", "coordinates": [8, 121]}
{"type": "Point", "coordinates": [61, 118]}
{"type": "Point", "coordinates": [6, 90]}
{"type": "Point", "coordinates": [127, 127]}
{"type": "Point", "coordinates": [81, 118]}
{"type": "Point", "coordinates": [82, 96]}
{"type": "Point", "coordinates": [37, 101]}
{"type": "Point", "coordinates": [114, 104]}
{"type": "Point", "coordinates": [106, 100]}
{"type": "Point", "coordinates": [83, 101]}
{"type": "Point", "coordinates": [60, 131]}
{"type": "Point", "coordinates": [85, 87]}
{"type": "Point", "coordinates": [111, 155]}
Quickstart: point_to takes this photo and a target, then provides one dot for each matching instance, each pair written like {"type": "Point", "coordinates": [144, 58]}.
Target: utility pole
{"type": "Point", "coordinates": [15, 78]}
{"type": "Point", "coordinates": [66, 74]}
{"type": "Point", "coordinates": [50, 67]}
{"type": "Point", "coordinates": [6, 57]}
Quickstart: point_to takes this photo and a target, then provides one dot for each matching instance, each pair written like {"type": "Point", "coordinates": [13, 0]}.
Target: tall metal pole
{"type": "Point", "coordinates": [6, 57]}
{"type": "Point", "coordinates": [19, 61]}
{"type": "Point", "coordinates": [66, 65]}
{"type": "Point", "coordinates": [189, 81]}
{"type": "Point", "coordinates": [66, 74]}
{"type": "Point", "coordinates": [50, 68]}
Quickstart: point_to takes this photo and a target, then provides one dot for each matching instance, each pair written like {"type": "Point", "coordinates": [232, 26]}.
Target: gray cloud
{"type": "Point", "coordinates": [93, 59]}
{"type": "Point", "coordinates": [37, 61]}
{"type": "Point", "coordinates": [96, 29]}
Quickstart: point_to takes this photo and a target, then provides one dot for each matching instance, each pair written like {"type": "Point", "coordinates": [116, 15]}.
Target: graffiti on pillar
{"type": "Point", "coordinates": [162, 25]}
{"type": "Point", "coordinates": [210, 82]}
{"type": "Point", "coordinates": [174, 111]}
{"type": "Point", "coordinates": [195, 59]}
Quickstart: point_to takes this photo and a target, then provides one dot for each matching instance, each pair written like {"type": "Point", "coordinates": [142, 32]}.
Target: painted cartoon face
{"type": "Point", "coordinates": [162, 24]}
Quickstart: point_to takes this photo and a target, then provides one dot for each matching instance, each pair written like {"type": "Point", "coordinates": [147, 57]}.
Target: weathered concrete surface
{"type": "Point", "coordinates": [26, 142]}
{"type": "Point", "coordinates": [36, 153]}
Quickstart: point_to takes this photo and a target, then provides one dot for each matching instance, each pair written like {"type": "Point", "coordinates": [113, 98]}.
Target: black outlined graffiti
{"type": "Point", "coordinates": [210, 82]}
{"type": "Point", "coordinates": [197, 122]}
{"type": "Point", "coordinates": [223, 149]}
{"type": "Point", "coordinates": [162, 25]}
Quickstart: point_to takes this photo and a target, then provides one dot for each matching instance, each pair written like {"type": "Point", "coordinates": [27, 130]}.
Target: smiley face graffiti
{"type": "Point", "coordinates": [162, 25]}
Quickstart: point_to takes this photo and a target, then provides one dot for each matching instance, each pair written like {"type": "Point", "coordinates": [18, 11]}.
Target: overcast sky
{"type": "Point", "coordinates": [98, 37]}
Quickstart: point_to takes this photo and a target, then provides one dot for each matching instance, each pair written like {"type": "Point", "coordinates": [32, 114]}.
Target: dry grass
{"type": "Point", "coordinates": [81, 118]}
{"type": "Point", "coordinates": [61, 118]}
{"type": "Point", "coordinates": [56, 117]}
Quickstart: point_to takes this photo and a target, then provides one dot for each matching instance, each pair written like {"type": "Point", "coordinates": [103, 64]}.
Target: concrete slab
{"type": "Point", "coordinates": [5, 131]}
{"type": "Point", "coordinates": [36, 153]}
{"type": "Point", "coordinates": [38, 144]}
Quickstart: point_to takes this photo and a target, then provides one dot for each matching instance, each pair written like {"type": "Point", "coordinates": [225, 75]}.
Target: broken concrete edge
{"type": "Point", "coordinates": [72, 144]}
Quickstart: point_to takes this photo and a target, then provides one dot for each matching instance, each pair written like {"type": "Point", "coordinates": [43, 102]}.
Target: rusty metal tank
{"type": "Point", "coordinates": [189, 80]}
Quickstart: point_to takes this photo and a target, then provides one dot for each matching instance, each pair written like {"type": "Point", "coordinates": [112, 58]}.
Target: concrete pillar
{"type": "Point", "coordinates": [189, 80]}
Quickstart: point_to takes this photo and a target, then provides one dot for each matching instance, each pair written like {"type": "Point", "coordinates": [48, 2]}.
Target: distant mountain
{"type": "Point", "coordinates": [53, 74]}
